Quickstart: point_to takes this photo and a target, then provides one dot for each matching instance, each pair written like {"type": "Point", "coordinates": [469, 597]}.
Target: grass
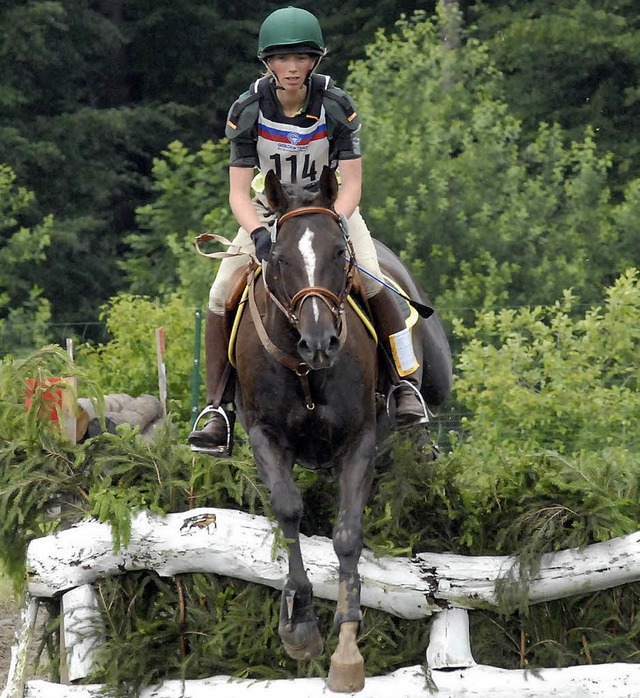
{"type": "Point", "coordinates": [8, 600]}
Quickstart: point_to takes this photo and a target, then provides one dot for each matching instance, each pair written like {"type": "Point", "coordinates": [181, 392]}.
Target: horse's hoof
{"type": "Point", "coordinates": [346, 678]}
{"type": "Point", "coordinates": [303, 642]}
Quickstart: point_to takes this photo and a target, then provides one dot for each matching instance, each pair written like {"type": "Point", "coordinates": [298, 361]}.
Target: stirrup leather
{"type": "Point", "coordinates": [224, 449]}
{"type": "Point", "coordinates": [419, 420]}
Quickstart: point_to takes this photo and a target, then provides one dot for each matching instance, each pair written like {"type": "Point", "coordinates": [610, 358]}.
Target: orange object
{"type": "Point", "coordinates": [57, 403]}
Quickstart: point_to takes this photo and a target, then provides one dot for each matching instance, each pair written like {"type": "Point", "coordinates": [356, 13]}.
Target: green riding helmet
{"type": "Point", "coordinates": [290, 30]}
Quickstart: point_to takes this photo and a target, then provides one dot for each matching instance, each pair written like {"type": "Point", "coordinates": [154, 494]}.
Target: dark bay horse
{"type": "Point", "coordinates": [307, 375]}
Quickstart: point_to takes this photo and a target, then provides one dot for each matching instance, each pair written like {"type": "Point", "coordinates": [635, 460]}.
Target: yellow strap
{"type": "Point", "coordinates": [231, 353]}
{"type": "Point", "coordinates": [365, 320]}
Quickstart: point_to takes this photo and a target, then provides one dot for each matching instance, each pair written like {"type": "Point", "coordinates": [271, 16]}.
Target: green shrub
{"type": "Point", "coordinates": [547, 458]}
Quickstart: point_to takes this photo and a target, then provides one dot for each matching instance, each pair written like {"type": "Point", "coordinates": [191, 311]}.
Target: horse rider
{"type": "Point", "coordinates": [294, 121]}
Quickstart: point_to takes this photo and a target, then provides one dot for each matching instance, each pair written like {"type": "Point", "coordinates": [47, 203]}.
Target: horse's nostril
{"type": "Point", "coordinates": [303, 345]}
{"type": "Point", "coordinates": [334, 342]}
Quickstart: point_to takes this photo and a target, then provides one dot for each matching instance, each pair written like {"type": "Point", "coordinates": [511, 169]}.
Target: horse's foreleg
{"type": "Point", "coordinates": [298, 624]}
{"type": "Point", "coordinates": [346, 673]}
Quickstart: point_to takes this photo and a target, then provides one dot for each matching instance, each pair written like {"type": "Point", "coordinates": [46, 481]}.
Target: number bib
{"type": "Point", "coordinates": [294, 153]}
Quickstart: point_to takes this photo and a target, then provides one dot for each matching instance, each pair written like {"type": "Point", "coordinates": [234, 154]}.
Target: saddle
{"type": "Point", "coordinates": [237, 287]}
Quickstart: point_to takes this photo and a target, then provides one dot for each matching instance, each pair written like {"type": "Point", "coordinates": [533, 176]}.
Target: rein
{"type": "Point", "coordinates": [291, 305]}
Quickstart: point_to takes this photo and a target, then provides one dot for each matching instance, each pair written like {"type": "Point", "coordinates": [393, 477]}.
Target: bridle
{"type": "Point", "coordinates": [290, 305]}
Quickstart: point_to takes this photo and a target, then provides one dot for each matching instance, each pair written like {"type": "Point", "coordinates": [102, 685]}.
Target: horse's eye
{"type": "Point", "coordinates": [280, 259]}
{"type": "Point", "coordinates": [339, 253]}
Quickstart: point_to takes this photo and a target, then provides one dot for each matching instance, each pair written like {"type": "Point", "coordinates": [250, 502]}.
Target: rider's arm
{"type": "Point", "coordinates": [350, 186]}
{"type": "Point", "coordinates": [343, 127]}
{"type": "Point", "coordinates": [241, 130]}
{"type": "Point", "coordinates": [240, 179]}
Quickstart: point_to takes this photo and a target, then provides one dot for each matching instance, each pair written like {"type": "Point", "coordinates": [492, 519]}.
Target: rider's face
{"type": "Point", "coordinates": [291, 69]}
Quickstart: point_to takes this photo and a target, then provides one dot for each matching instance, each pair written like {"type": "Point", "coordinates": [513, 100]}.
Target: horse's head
{"type": "Point", "coordinates": [307, 273]}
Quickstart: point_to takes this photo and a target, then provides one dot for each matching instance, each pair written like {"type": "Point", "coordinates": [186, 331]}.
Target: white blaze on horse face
{"type": "Point", "coordinates": [310, 260]}
{"type": "Point", "coordinates": [308, 255]}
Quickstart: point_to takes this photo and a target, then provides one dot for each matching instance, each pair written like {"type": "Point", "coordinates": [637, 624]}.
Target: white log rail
{"type": "Point", "coordinates": [236, 544]}
{"type": "Point", "coordinates": [605, 681]}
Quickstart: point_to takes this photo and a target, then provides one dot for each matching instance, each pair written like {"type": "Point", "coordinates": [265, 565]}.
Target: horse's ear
{"type": "Point", "coordinates": [276, 195]}
{"type": "Point", "coordinates": [328, 186]}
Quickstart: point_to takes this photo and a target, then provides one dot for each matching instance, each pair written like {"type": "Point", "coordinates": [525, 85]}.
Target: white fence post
{"type": "Point", "coordinates": [82, 629]}
{"type": "Point", "coordinates": [449, 643]}
{"type": "Point", "coordinates": [17, 675]}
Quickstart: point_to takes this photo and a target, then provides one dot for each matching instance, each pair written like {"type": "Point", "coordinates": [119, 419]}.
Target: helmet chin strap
{"type": "Point", "coordinates": [317, 63]}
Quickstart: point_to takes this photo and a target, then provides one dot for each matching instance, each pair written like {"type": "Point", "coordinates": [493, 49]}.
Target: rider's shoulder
{"type": "Point", "coordinates": [338, 104]}
{"type": "Point", "coordinates": [244, 111]}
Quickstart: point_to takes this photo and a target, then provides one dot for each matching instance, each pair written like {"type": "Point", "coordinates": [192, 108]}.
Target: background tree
{"type": "Point", "coordinates": [561, 416]}
{"type": "Point", "coordinates": [24, 311]}
{"type": "Point", "coordinates": [191, 197]}
{"type": "Point", "coordinates": [548, 459]}
{"type": "Point", "coordinates": [91, 92]}
{"type": "Point", "coordinates": [576, 64]}
{"type": "Point", "coordinates": [485, 215]}
{"type": "Point", "coordinates": [81, 150]}
{"type": "Point", "coordinates": [127, 362]}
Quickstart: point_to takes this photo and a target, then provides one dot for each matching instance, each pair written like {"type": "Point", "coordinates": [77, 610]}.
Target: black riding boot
{"type": "Point", "coordinates": [216, 436]}
{"type": "Point", "coordinates": [411, 409]}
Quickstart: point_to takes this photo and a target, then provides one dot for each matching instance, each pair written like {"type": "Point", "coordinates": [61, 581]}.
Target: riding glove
{"type": "Point", "coordinates": [262, 240]}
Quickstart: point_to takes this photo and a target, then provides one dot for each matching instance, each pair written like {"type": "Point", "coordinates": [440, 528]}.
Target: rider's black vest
{"type": "Point", "coordinates": [243, 116]}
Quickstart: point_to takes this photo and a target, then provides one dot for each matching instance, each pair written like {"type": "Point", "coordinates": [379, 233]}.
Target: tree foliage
{"type": "Point", "coordinates": [91, 93]}
{"type": "Point", "coordinates": [24, 312]}
{"type": "Point", "coordinates": [572, 64]}
{"type": "Point", "coordinates": [558, 425]}
{"type": "Point", "coordinates": [191, 198]}
{"type": "Point", "coordinates": [127, 362]}
{"type": "Point", "coordinates": [485, 217]}
{"type": "Point", "coordinates": [548, 460]}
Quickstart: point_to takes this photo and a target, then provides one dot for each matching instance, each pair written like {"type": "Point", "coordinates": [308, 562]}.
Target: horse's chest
{"type": "Point", "coordinates": [318, 437]}
{"type": "Point", "coordinates": [318, 400]}
{"type": "Point", "coordinates": [336, 409]}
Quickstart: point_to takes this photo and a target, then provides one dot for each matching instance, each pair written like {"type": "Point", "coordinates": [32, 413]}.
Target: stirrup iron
{"type": "Point", "coordinates": [224, 450]}
{"type": "Point", "coordinates": [419, 420]}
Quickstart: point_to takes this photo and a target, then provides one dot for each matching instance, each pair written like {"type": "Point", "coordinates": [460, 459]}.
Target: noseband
{"type": "Point", "coordinates": [335, 303]}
